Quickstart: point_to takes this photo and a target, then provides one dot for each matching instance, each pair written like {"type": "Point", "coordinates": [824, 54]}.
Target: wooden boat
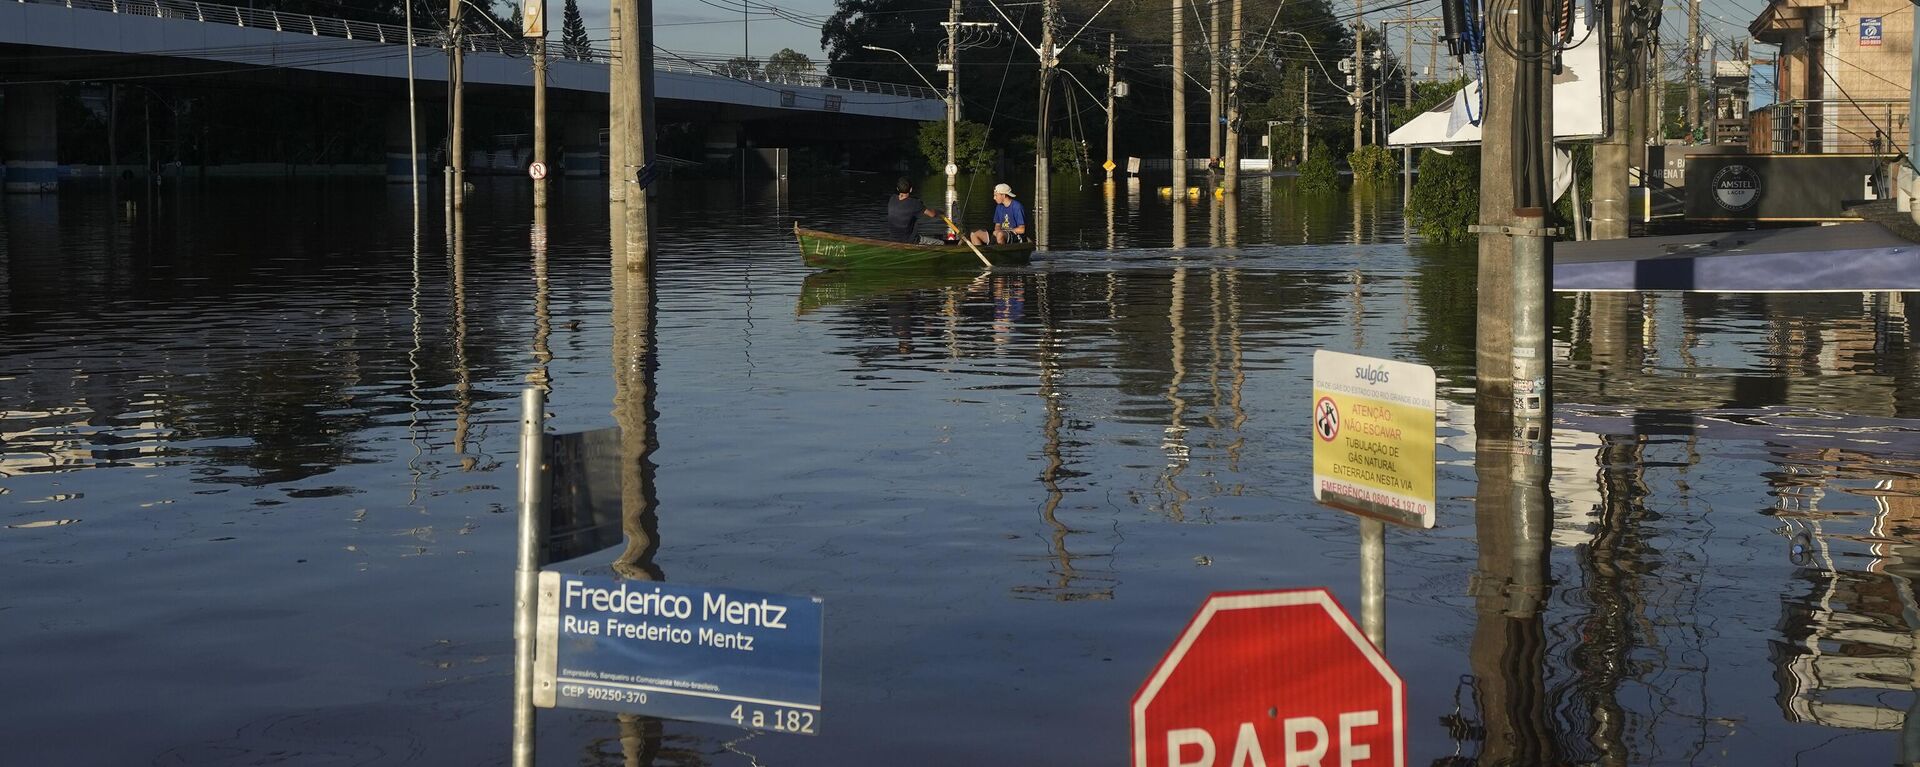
{"type": "Point", "coordinates": [839, 251]}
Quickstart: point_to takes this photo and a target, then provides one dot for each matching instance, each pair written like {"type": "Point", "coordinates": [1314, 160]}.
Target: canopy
{"type": "Point", "coordinates": [1579, 90]}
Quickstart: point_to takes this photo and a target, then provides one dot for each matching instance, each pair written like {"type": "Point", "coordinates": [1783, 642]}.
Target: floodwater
{"type": "Point", "coordinates": [258, 472]}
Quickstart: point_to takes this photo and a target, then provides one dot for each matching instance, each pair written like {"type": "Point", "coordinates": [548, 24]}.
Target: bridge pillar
{"type": "Point", "coordinates": [581, 152]}
{"type": "Point", "coordinates": [31, 141]}
{"type": "Point", "coordinates": [398, 149]}
{"type": "Point", "coordinates": [723, 141]}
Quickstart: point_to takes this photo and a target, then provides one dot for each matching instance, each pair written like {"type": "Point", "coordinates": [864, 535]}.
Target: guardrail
{"type": "Point", "coordinates": [492, 42]}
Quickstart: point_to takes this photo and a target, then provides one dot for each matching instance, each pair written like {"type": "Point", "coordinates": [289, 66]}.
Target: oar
{"type": "Point", "coordinates": [970, 246]}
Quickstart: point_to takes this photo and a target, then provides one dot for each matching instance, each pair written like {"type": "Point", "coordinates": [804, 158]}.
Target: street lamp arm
{"type": "Point", "coordinates": [910, 66]}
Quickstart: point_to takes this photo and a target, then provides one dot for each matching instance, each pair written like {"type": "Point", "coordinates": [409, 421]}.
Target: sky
{"type": "Point", "coordinates": [713, 28]}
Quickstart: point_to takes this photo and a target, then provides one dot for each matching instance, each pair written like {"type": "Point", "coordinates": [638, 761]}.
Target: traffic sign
{"type": "Point", "coordinates": [537, 170]}
{"type": "Point", "coordinates": [723, 656]}
{"type": "Point", "coordinates": [1271, 677]}
{"type": "Point", "coordinates": [1373, 437]}
{"type": "Point", "coordinates": [952, 169]}
{"type": "Point", "coordinates": [1109, 166]}
{"type": "Point", "coordinates": [1871, 31]}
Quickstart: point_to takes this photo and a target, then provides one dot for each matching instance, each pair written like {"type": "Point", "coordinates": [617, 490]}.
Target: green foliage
{"type": "Point", "coordinates": [1317, 174]}
{"type": "Point", "coordinates": [743, 67]}
{"type": "Point", "coordinates": [787, 62]}
{"type": "Point", "coordinates": [970, 149]}
{"type": "Point", "coordinates": [1446, 195]}
{"type": "Point", "coordinates": [574, 42]}
{"type": "Point", "coordinates": [1373, 164]}
{"type": "Point", "coordinates": [1069, 156]}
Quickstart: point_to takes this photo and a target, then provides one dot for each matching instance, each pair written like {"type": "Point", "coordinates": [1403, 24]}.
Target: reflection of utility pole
{"type": "Point", "coordinates": [1508, 652]}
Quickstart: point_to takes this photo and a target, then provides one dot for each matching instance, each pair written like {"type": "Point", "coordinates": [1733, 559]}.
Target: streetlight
{"type": "Point", "coordinates": [952, 116]}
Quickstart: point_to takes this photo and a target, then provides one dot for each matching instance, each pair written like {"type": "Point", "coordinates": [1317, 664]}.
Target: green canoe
{"type": "Point", "coordinates": [838, 251]}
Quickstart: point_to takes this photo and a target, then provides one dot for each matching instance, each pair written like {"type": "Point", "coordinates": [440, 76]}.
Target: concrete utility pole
{"type": "Point", "coordinates": [1532, 254]}
{"type": "Point", "coordinates": [1613, 155]}
{"type": "Point", "coordinates": [540, 106]}
{"type": "Point", "coordinates": [1216, 102]}
{"type": "Point", "coordinates": [1179, 103]}
{"type": "Point", "coordinates": [1494, 281]}
{"type": "Point", "coordinates": [1232, 182]}
{"type": "Point", "coordinates": [1693, 68]}
{"type": "Point", "coordinates": [1043, 152]}
{"type": "Point", "coordinates": [953, 101]}
{"type": "Point", "coordinates": [1713, 92]}
{"type": "Point", "coordinates": [618, 93]}
{"type": "Point", "coordinates": [1359, 71]}
{"type": "Point", "coordinates": [1113, 72]}
{"type": "Point", "coordinates": [636, 112]}
{"type": "Point", "coordinates": [457, 145]}
{"type": "Point", "coordinates": [1406, 102]}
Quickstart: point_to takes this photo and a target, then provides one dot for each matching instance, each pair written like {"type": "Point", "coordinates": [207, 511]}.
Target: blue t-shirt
{"type": "Point", "coordinates": [1009, 216]}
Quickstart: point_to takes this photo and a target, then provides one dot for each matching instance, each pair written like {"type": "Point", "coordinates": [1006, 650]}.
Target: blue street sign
{"type": "Point", "coordinates": [725, 656]}
{"type": "Point", "coordinates": [1870, 30]}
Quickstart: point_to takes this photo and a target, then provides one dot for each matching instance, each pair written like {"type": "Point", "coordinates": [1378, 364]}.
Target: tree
{"type": "Point", "coordinates": [574, 43]}
{"type": "Point", "coordinates": [741, 67]}
{"type": "Point", "coordinates": [970, 149]}
{"type": "Point", "coordinates": [787, 63]}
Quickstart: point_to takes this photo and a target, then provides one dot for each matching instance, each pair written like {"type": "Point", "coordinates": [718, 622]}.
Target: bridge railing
{"type": "Point", "coordinates": [324, 26]}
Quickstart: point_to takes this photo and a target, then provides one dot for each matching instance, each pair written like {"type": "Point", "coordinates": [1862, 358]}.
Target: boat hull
{"type": "Point", "coordinates": [827, 250]}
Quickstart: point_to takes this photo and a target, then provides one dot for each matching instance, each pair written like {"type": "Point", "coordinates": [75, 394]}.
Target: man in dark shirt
{"type": "Point", "coordinates": [904, 211]}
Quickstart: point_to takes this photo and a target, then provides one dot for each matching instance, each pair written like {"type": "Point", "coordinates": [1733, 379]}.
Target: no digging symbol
{"type": "Point", "coordinates": [1326, 419]}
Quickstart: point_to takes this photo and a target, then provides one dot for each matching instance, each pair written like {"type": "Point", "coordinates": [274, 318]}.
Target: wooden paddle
{"type": "Point", "coordinates": [970, 246]}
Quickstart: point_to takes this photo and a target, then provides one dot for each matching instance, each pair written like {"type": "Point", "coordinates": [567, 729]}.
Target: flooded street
{"type": "Point", "coordinates": [257, 479]}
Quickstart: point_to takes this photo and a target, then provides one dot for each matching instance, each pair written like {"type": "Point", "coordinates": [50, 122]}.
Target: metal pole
{"type": "Point", "coordinates": [953, 101]}
{"type": "Point", "coordinates": [540, 117]}
{"type": "Point", "coordinates": [526, 573]}
{"type": "Point", "coordinates": [1373, 580]}
{"type": "Point", "coordinates": [1113, 57]}
{"type": "Point", "coordinates": [1532, 245]}
{"type": "Point", "coordinates": [1179, 104]}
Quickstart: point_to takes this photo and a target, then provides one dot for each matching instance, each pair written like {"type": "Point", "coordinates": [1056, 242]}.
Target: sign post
{"type": "Point", "coordinates": [1270, 677]}
{"type": "Point", "coordinates": [533, 497]}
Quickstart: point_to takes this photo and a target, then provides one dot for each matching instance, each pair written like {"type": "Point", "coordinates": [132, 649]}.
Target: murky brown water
{"type": "Point", "coordinates": [258, 474]}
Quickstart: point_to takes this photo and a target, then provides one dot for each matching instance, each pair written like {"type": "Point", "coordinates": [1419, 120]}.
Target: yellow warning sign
{"type": "Point", "coordinates": [1373, 437]}
{"type": "Point", "coordinates": [1109, 166]}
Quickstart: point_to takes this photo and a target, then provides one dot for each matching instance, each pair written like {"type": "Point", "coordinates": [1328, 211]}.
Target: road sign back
{"type": "Point", "coordinates": [1271, 677]}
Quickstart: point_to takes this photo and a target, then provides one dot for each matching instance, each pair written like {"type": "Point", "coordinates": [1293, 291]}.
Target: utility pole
{"type": "Point", "coordinates": [1179, 103]}
{"type": "Point", "coordinates": [1306, 115]}
{"type": "Point", "coordinates": [618, 93]}
{"type": "Point", "coordinates": [1532, 139]}
{"type": "Point", "coordinates": [537, 30]}
{"type": "Point", "coordinates": [1613, 155]}
{"type": "Point", "coordinates": [1693, 68]}
{"type": "Point", "coordinates": [1113, 60]}
{"type": "Point", "coordinates": [1494, 281]}
{"type": "Point", "coordinates": [636, 111]}
{"type": "Point", "coordinates": [1359, 71]}
{"type": "Point", "coordinates": [1232, 182]}
{"type": "Point", "coordinates": [953, 101]}
{"type": "Point", "coordinates": [1406, 102]}
{"type": "Point", "coordinates": [1713, 92]}
{"type": "Point", "coordinates": [457, 145]}
{"type": "Point", "coordinates": [1215, 97]}
{"type": "Point", "coordinates": [1043, 152]}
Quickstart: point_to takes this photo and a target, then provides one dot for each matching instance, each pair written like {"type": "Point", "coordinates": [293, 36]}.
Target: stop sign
{"type": "Point", "coordinates": [1280, 678]}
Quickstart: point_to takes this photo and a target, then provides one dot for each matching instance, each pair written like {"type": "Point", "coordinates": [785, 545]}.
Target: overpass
{"type": "Point", "coordinates": [86, 40]}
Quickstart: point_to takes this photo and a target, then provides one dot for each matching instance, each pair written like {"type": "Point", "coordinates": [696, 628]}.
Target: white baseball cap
{"type": "Point", "coordinates": [1004, 189]}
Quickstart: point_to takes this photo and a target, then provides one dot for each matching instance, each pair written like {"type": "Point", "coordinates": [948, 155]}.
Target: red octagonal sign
{"type": "Point", "coordinates": [1279, 678]}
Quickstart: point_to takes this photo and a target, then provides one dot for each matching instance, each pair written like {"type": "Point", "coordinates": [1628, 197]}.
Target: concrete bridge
{"type": "Point", "coordinates": [189, 39]}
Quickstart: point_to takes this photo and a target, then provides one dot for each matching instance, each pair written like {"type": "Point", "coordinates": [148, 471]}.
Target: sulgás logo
{"type": "Point", "coordinates": [1736, 187]}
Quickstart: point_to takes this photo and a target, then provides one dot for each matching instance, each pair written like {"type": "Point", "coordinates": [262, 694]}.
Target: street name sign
{"type": "Point", "coordinates": [1271, 677]}
{"type": "Point", "coordinates": [724, 656]}
{"type": "Point", "coordinates": [1373, 437]}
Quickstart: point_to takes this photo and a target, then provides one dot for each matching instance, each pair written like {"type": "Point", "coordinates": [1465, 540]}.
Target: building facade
{"type": "Point", "coordinates": [1841, 77]}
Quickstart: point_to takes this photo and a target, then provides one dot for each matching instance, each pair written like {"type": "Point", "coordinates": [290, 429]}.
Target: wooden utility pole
{"type": "Point", "coordinates": [953, 102]}
{"type": "Point", "coordinates": [1216, 101]}
{"type": "Point", "coordinates": [1179, 103]}
{"type": "Point", "coordinates": [1693, 68]}
{"type": "Point", "coordinates": [1232, 182]}
{"type": "Point", "coordinates": [1613, 155]}
{"type": "Point", "coordinates": [1113, 60]}
{"type": "Point", "coordinates": [1043, 152]}
{"type": "Point", "coordinates": [540, 107]}
{"type": "Point", "coordinates": [457, 146]}
{"type": "Point", "coordinates": [1359, 71]}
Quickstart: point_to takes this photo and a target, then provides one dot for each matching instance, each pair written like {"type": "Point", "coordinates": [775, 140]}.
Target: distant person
{"type": "Point", "coordinates": [904, 212]}
{"type": "Point", "coordinates": [1009, 219]}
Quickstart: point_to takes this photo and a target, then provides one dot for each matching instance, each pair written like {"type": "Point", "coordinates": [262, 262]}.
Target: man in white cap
{"type": "Point", "coordinates": [1009, 219]}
